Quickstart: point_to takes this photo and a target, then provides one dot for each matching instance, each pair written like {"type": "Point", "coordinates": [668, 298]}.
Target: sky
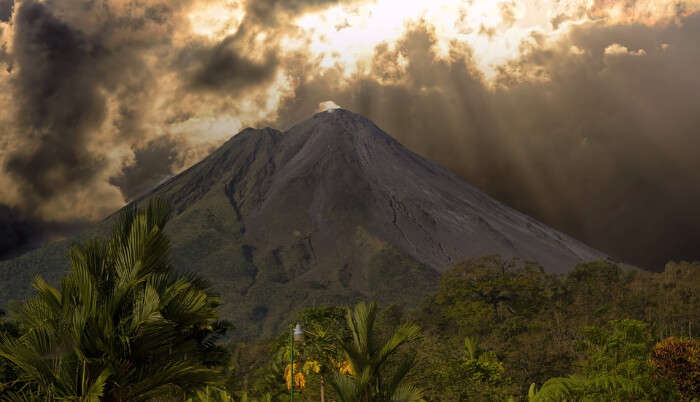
{"type": "Point", "coordinates": [581, 113]}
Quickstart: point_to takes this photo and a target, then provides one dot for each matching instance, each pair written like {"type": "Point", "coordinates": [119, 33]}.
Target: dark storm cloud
{"type": "Point", "coordinates": [605, 149]}
{"type": "Point", "coordinates": [58, 100]}
{"type": "Point", "coordinates": [6, 7]}
{"type": "Point", "coordinates": [13, 232]}
{"type": "Point", "coordinates": [268, 11]}
{"type": "Point", "coordinates": [18, 234]}
{"type": "Point", "coordinates": [152, 164]}
{"type": "Point", "coordinates": [66, 59]}
{"type": "Point", "coordinates": [5, 56]}
{"type": "Point", "coordinates": [223, 67]}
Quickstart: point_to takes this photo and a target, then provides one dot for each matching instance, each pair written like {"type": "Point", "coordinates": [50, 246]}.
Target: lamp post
{"type": "Point", "coordinates": [297, 336]}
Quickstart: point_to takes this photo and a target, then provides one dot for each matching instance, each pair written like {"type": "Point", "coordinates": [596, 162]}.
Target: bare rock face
{"type": "Point", "coordinates": [331, 211]}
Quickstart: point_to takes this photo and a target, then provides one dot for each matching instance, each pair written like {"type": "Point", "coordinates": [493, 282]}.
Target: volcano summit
{"type": "Point", "coordinates": [330, 211]}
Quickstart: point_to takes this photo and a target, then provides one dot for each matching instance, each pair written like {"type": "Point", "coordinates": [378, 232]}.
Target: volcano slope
{"type": "Point", "coordinates": [330, 211]}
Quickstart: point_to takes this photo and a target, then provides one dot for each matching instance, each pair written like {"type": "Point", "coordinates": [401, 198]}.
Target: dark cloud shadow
{"type": "Point", "coordinates": [6, 8]}
{"type": "Point", "coordinates": [152, 164]}
{"type": "Point", "coordinates": [57, 90]}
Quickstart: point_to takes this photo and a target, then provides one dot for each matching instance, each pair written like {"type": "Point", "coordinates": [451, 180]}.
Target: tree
{"type": "Point", "coordinates": [372, 380]}
{"type": "Point", "coordinates": [476, 374]}
{"type": "Point", "coordinates": [122, 325]}
{"type": "Point", "coordinates": [489, 290]}
{"type": "Point", "coordinates": [616, 368]}
{"type": "Point", "coordinates": [325, 330]}
{"type": "Point", "coordinates": [678, 359]}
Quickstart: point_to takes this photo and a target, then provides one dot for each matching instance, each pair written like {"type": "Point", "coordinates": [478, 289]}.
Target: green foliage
{"type": "Point", "coordinates": [476, 374]}
{"type": "Point", "coordinates": [678, 360]}
{"type": "Point", "coordinates": [616, 367]}
{"type": "Point", "coordinates": [580, 388]}
{"type": "Point", "coordinates": [621, 348]}
{"type": "Point", "coordinates": [324, 330]}
{"type": "Point", "coordinates": [330, 333]}
{"type": "Point", "coordinates": [122, 325]}
{"type": "Point", "coordinates": [8, 372]}
{"type": "Point", "coordinates": [210, 394]}
{"type": "Point", "coordinates": [586, 336]}
{"type": "Point", "coordinates": [490, 290]}
{"type": "Point", "coordinates": [268, 379]}
{"type": "Point", "coordinates": [372, 378]}
{"type": "Point", "coordinates": [508, 305]}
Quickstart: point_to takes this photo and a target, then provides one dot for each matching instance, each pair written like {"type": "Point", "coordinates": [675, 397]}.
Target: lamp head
{"type": "Point", "coordinates": [298, 333]}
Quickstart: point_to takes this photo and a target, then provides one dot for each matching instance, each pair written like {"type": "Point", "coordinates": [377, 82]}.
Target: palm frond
{"type": "Point", "coordinates": [123, 313]}
{"type": "Point", "coordinates": [407, 393]}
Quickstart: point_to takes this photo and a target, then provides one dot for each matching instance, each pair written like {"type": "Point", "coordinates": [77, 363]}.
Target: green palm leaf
{"type": "Point", "coordinates": [121, 324]}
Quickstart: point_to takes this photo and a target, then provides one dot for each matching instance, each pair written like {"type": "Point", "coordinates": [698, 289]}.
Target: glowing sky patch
{"type": "Point", "coordinates": [494, 30]}
{"type": "Point", "coordinates": [216, 20]}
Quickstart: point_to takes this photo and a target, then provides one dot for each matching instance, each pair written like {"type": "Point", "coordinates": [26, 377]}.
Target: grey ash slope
{"type": "Point", "coordinates": [339, 163]}
{"type": "Point", "coordinates": [331, 211]}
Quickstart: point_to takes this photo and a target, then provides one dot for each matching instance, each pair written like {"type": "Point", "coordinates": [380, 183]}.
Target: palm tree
{"type": "Point", "coordinates": [122, 325]}
{"type": "Point", "coordinates": [372, 381]}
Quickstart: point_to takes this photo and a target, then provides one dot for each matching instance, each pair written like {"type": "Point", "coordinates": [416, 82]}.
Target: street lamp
{"type": "Point", "coordinates": [297, 336]}
{"type": "Point", "coordinates": [298, 333]}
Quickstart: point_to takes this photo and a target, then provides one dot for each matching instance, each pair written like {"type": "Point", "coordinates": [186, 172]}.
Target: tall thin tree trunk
{"type": "Point", "coordinates": [323, 389]}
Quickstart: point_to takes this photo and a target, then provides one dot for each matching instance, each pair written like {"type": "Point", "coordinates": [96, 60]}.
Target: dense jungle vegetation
{"type": "Point", "coordinates": [124, 326]}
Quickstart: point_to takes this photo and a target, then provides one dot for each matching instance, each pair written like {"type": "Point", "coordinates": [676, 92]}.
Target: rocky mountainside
{"type": "Point", "coordinates": [330, 211]}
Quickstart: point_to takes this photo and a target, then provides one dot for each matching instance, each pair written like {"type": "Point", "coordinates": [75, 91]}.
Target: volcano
{"type": "Point", "coordinates": [331, 211]}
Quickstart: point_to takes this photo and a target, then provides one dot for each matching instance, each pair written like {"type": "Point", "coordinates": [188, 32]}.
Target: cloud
{"type": "Point", "coordinates": [152, 164]}
{"type": "Point", "coordinates": [271, 11]}
{"type": "Point", "coordinates": [80, 81]}
{"type": "Point", "coordinates": [508, 14]}
{"type": "Point", "coordinates": [18, 234]}
{"type": "Point", "coordinates": [327, 105]}
{"type": "Point", "coordinates": [617, 49]}
{"type": "Point", "coordinates": [6, 7]}
{"type": "Point", "coordinates": [223, 68]}
{"type": "Point", "coordinates": [13, 233]}
{"type": "Point", "coordinates": [59, 102]}
{"type": "Point", "coordinates": [585, 145]}
{"type": "Point", "coordinates": [649, 12]}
